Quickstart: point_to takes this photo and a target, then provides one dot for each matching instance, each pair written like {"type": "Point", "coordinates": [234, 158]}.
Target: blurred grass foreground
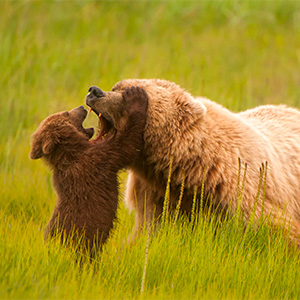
{"type": "Point", "coordinates": [238, 53]}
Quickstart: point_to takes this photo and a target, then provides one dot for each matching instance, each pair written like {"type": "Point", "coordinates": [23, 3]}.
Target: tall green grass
{"type": "Point", "coordinates": [238, 53]}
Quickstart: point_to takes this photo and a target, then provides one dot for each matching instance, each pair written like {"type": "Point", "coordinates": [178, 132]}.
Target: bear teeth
{"type": "Point", "coordinates": [105, 129]}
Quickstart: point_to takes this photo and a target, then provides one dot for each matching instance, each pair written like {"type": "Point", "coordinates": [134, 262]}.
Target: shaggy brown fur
{"type": "Point", "coordinates": [85, 172]}
{"type": "Point", "coordinates": [202, 135]}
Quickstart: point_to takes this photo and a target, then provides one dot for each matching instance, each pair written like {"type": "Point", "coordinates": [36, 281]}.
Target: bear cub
{"type": "Point", "coordinates": [85, 171]}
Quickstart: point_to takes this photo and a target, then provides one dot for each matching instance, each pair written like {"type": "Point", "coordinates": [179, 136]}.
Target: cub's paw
{"type": "Point", "coordinates": [136, 99]}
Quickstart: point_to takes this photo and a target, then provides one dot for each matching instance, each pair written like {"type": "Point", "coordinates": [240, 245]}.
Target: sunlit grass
{"type": "Point", "coordinates": [238, 53]}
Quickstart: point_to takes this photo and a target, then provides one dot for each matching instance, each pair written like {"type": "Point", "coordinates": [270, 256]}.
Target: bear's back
{"type": "Point", "coordinates": [281, 126]}
{"type": "Point", "coordinates": [273, 118]}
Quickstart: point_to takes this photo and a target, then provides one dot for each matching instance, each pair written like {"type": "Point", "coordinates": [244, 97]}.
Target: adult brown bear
{"type": "Point", "coordinates": [202, 137]}
{"type": "Point", "coordinates": [85, 172]}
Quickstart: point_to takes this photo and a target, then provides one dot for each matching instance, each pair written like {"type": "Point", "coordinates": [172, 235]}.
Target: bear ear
{"type": "Point", "coordinates": [48, 146]}
{"type": "Point", "coordinates": [41, 147]}
{"type": "Point", "coordinates": [197, 108]}
{"type": "Point", "coordinates": [36, 150]}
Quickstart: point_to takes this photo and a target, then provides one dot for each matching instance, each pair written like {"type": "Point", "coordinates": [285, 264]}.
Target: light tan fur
{"type": "Point", "coordinates": [202, 135]}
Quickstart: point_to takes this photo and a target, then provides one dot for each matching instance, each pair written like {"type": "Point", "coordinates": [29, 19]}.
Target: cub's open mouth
{"type": "Point", "coordinates": [78, 116]}
{"type": "Point", "coordinates": [106, 128]}
{"type": "Point", "coordinates": [88, 131]}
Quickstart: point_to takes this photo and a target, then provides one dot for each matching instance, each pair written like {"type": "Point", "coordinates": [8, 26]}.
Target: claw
{"type": "Point", "coordinates": [99, 115]}
{"type": "Point", "coordinates": [90, 110]}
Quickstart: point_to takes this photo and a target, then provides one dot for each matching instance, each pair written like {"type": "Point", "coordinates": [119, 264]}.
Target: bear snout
{"type": "Point", "coordinates": [90, 100]}
{"type": "Point", "coordinates": [96, 92]}
{"type": "Point", "coordinates": [80, 111]}
{"type": "Point", "coordinates": [93, 96]}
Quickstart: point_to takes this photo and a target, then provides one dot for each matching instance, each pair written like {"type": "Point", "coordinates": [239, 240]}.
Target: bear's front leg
{"type": "Point", "coordinates": [145, 201]}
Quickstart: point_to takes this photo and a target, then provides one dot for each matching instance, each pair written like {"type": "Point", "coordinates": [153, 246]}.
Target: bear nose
{"type": "Point", "coordinates": [94, 90]}
{"type": "Point", "coordinates": [79, 108]}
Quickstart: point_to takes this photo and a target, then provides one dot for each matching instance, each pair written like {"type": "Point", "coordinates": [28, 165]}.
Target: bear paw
{"type": "Point", "coordinates": [136, 99]}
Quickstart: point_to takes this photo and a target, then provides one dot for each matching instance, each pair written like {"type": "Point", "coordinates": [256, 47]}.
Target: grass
{"type": "Point", "coordinates": [238, 53]}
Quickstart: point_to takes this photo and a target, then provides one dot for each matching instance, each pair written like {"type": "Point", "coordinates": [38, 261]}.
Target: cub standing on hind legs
{"type": "Point", "coordinates": [84, 171]}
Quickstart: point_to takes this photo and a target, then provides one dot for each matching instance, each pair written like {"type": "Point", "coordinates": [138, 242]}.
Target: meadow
{"type": "Point", "coordinates": [238, 53]}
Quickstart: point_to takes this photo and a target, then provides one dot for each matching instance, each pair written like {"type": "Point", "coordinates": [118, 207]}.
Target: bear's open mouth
{"type": "Point", "coordinates": [77, 117]}
{"type": "Point", "coordinates": [106, 129]}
